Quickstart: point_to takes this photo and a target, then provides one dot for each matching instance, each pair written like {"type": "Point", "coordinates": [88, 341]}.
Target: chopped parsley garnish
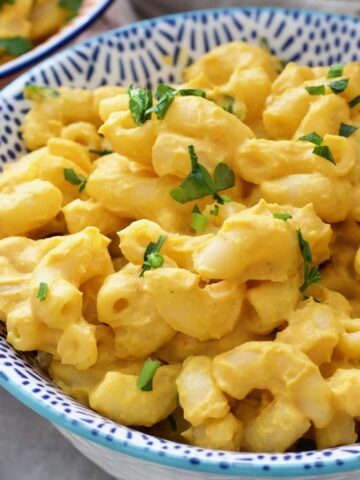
{"type": "Point", "coordinates": [282, 216]}
{"type": "Point", "coordinates": [229, 107]}
{"type": "Point", "coordinates": [72, 5]}
{"type": "Point", "coordinates": [324, 152]}
{"type": "Point", "coordinates": [335, 71]}
{"type": "Point", "coordinates": [316, 90]}
{"type": "Point", "coordinates": [4, 2]}
{"type": "Point", "coordinates": [347, 130]}
{"type": "Point", "coordinates": [15, 45]}
{"type": "Point", "coordinates": [338, 86]}
{"type": "Point", "coordinates": [199, 183]}
{"type": "Point", "coordinates": [355, 101]}
{"type": "Point", "coordinates": [265, 45]}
{"type": "Point", "coordinates": [101, 153]}
{"type": "Point", "coordinates": [72, 177]}
{"type": "Point", "coordinates": [311, 273]}
{"type": "Point", "coordinates": [312, 137]}
{"type": "Point", "coordinates": [140, 102]}
{"type": "Point", "coordinates": [172, 422]}
{"type": "Point", "coordinates": [215, 210]}
{"type": "Point", "coordinates": [42, 291]}
{"type": "Point", "coordinates": [38, 93]}
{"type": "Point", "coordinates": [145, 379]}
{"type": "Point", "coordinates": [152, 257]}
{"type": "Point", "coordinates": [166, 95]}
{"type": "Point", "coordinates": [199, 221]}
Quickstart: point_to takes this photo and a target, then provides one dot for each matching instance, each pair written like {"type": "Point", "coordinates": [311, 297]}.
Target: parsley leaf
{"type": "Point", "coordinates": [199, 183]}
{"type": "Point", "coordinates": [4, 2]}
{"type": "Point", "coordinates": [152, 257]}
{"type": "Point", "coordinates": [72, 177]}
{"type": "Point", "coordinates": [38, 93]}
{"type": "Point", "coordinates": [347, 130]}
{"type": "Point", "coordinates": [145, 379]}
{"type": "Point", "coordinates": [282, 216]}
{"type": "Point", "coordinates": [140, 102]}
{"type": "Point", "coordinates": [338, 86]}
{"type": "Point", "coordinates": [325, 152]}
{"type": "Point", "coordinates": [166, 95]}
{"type": "Point", "coordinates": [15, 45]}
{"type": "Point", "coordinates": [335, 71]}
{"type": "Point", "coordinates": [215, 210]}
{"type": "Point", "coordinates": [101, 153]}
{"type": "Point", "coordinates": [199, 221]}
{"type": "Point", "coordinates": [42, 291]}
{"type": "Point", "coordinates": [312, 137]}
{"type": "Point", "coordinates": [311, 274]}
{"type": "Point", "coordinates": [72, 5]}
{"type": "Point", "coordinates": [316, 90]}
{"type": "Point", "coordinates": [355, 101]}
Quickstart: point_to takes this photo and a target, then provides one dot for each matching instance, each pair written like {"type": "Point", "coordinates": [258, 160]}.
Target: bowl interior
{"type": "Point", "coordinates": [145, 54]}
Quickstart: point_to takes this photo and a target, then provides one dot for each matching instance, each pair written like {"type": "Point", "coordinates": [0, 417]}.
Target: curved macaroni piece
{"type": "Point", "coordinates": [203, 312]}
{"type": "Point", "coordinates": [118, 397]}
{"type": "Point", "coordinates": [314, 329]}
{"type": "Point", "coordinates": [282, 369]}
{"type": "Point", "coordinates": [340, 431]}
{"type": "Point", "coordinates": [135, 238]}
{"type": "Point", "coordinates": [70, 150]}
{"type": "Point", "coordinates": [345, 386]}
{"type": "Point", "coordinates": [250, 245]}
{"type": "Point", "coordinates": [80, 214]}
{"type": "Point", "coordinates": [131, 191]}
{"type": "Point", "coordinates": [40, 198]}
{"type": "Point", "coordinates": [221, 434]}
{"type": "Point", "coordinates": [124, 304]}
{"type": "Point", "coordinates": [199, 396]}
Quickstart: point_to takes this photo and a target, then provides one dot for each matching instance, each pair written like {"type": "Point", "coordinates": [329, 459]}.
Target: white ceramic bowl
{"type": "Point", "coordinates": [140, 53]}
{"type": "Point", "coordinates": [90, 11]}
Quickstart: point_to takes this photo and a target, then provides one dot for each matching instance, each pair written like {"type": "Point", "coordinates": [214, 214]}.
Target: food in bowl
{"type": "Point", "coordinates": [226, 315]}
{"type": "Point", "coordinates": [26, 23]}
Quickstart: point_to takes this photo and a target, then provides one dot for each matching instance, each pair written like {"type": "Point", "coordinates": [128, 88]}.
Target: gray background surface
{"type": "Point", "coordinates": [30, 448]}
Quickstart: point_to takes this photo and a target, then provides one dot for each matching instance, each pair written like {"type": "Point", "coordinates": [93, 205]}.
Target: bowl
{"type": "Point", "coordinates": [90, 11]}
{"type": "Point", "coordinates": [146, 53]}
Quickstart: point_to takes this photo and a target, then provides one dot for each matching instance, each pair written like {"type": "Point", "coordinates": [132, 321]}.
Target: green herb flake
{"type": "Point", "coordinates": [282, 216]}
{"type": "Point", "coordinates": [38, 93]}
{"type": "Point", "coordinates": [192, 92]}
{"type": "Point", "coordinates": [199, 221]}
{"type": "Point", "coordinates": [312, 137]}
{"type": "Point", "coordinates": [311, 273]}
{"type": "Point", "coordinates": [338, 86]}
{"type": "Point", "coordinates": [42, 291]}
{"type": "Point", "coordinates": [199, 182]}
{"type": "Point", "coordinates": [347, 130]}
{"type": "Point", "coordinates": [73, 6]}
{"type": "Point", "coordinates": [72, 177]}
{"type": "Point", "coordinates": [265, 45]}
{"type": "Point", "coordinates": [101, 153]}
{"type": "Point", "coordinates": [152, 257]}
{"type": "Point", "coordinates": [15, 46]}
{"type": "Point", "coordinates": [355, 101]}
{"type": "Point", "coordinates": [215, 210]}
{"type": "Point", "coordinates": [4, 2]}
{"type": "Point", "coordinates": [336, 70]}
{"type": "Point", "coordinates": [145, 379]}
{"type": "Point", "coordinates": [140, 104]}
{"type": "Point", "coordinates": [172, 423]}
{"type": "Point", "coordinates": [324, 152]}
{"type": "Point", "coordinates": [316, 90]}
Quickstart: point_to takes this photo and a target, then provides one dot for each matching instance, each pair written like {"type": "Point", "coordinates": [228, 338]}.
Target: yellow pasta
{"type": "Point", "coordinates": [198, 257]}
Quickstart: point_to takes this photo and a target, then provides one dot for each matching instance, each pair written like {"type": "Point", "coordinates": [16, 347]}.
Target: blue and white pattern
{"type": "Point", "coordinates": [146, 53]}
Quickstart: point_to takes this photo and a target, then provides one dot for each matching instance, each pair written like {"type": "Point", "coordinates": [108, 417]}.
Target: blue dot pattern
{"type": "Point", "coordinates": [147, 53]}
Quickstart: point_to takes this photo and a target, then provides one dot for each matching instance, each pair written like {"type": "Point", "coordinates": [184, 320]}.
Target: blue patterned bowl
{"type": "Point", "coordinates": [90, 11]}
{"type": "Point", "coordinates": [136, 54]}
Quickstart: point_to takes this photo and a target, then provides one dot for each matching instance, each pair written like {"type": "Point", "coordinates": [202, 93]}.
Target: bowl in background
{"type": "Point", "coordinates": [90, 11]}
{"type": "Point", "coordinates": [146, 53]}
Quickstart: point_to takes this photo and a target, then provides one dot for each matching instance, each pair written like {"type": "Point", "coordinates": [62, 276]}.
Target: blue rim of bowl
{"type": "Point", "coordinates": [5, 70]}
{"type": "Point", "coordinates": [258, 468]}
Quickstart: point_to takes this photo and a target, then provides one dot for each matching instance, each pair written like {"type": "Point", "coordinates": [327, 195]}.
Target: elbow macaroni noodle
{"type": "Point", "coordinates": [252, 357]}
